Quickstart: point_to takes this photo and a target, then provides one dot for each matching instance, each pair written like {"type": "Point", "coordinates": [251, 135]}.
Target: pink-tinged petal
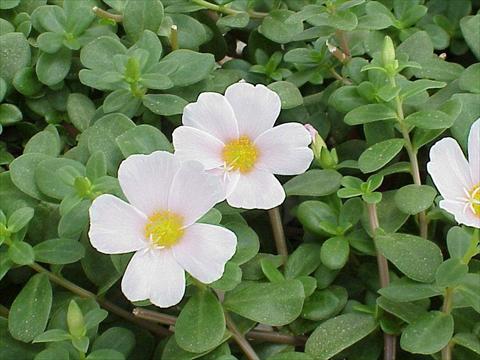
{"type": "Point", "coordinates": [228, 179]}
{"type": "Point", "coordinates": [284, 149]}
{"type": "Point", "coordinates": [449, 169]}
{"type": "Point", "coordinates": [462, 212]}
{"type": "Point", "coordinates": [115, 226]}
{"type": "Point", "coordinates": [194, 192]}
{"type": "Point", "coordinates": [194, 144]}
{"type": "Point", "coordinates": [154, 274]}
{"type": "Point", "coordinates": [146, 180]}
{"type": "Point", "coordinates": [474, 151]}
{"type": "Point", "coordinates": [204, 250]}
{"type": "Point", "coordinates": [257, 189]}
{"type": "Point", "coordinates": [213, 114]}
{"type": "Point", "coordinates": [256, 107]}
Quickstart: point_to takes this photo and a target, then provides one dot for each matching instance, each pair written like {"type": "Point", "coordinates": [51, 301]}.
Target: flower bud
{"type": "Point", "coordinates": [325, 158]}
{"type": "Point", "coordinates": [75, 321]}
{"type": "Point", "coordinates": [388, 53]}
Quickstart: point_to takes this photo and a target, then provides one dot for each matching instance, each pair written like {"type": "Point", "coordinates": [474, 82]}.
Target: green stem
{"type": "Point", "coordinates": [103, 303]}
{"type": "Point", "coordinates": [106, 15]}
{"type": "Point", "coordinates": [412, 155]}
{"type": "Point", "coordinates": [343, 42]}
{"type": "Point", "coordinates": [278, 233]}
{"type": "Point", "coordinates": [228, 10]}
{"type": "Point", "coordinates": [240, 339]}
{"type": "Point", "coordinates": [174, 37]}
{"type": "Point", "coordinates": [447, 308]}
{"type": "Point", "coordinates": [389, 341]}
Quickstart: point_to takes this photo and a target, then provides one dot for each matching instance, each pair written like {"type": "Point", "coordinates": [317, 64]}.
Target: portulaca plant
{"type": "Point", "coordinates": [239, 180]}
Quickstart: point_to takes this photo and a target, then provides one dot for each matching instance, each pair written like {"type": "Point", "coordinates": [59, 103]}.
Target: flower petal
{"type": "Point", "coordinates": [116, 227]}
{"type": "Point", "coordinates": [474, 151]}
{"type": "Point", "coordinates": [449, 169]}
{"type": "Point", "coordinates": [284, 149]}
{"type": "Point", "coordinates": [146, 180]}
{"type": "Point", "coordinates": [462, 212]}
{"type": "Point", "coordinates": [204, 250]}
{"type": "Point", "coordinates": [155, 275]}
{"type": "Point", "coordinates": [256, 107]}
{"type": "Point", "coordinates": [194, 192]}
{"type": "Point", "coordinates": [193, 144]}
{"type": "Point", "coordinates": [257, 189]}
{"type": "Point", "coordinates": [213, 114]}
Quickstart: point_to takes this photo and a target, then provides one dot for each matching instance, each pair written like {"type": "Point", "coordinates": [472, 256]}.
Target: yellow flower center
{"type": "Point", "coordinates": [475, 199]}
{"type": "Point", "coordinates": [164, 228]}
{"type": "Point", "coordinates": [240, 154]}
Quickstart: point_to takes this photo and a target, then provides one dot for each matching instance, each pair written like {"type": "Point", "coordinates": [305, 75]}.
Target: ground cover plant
{"type": "Point", "coordinates": [239, 179]}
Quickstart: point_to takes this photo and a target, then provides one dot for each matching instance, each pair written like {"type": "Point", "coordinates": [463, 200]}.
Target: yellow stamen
{"type": "Point", "coordinates": [164, 228]}
{"type": "Point", "coordinates": [475, 199]}
{"type": "Point", "coordinates": [240, 154]}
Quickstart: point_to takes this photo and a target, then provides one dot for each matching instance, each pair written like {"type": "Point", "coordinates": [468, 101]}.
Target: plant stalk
{"type": "Point", "coordinates": [227, 10]}
{"type": "Point", "coordinates": [256, 334]}
{"type": "Point", "coordinates": [412, 155]}
{"type": "Point", "coordinates": [389, 341]}
{"type": "Point", "coordinates": [240, 339]}
{"type": "Point", "coordinates": [106, 15]}
{"type": "Point", "coordinates": [174, 37]}
{"type": "Point", "coordinates": [107, 305]}
{"type": "Point", "coordinates": [447, 308]}
{"type": "Point", "coordinates": [278, 233]}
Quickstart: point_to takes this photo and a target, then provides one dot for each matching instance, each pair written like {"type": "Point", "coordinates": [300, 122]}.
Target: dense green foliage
{"type": "Point", "coordinates": [81, 89]}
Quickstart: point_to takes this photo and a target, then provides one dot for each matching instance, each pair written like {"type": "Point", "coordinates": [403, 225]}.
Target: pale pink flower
{"type": "Point", "coordinates": [233, 137]}
{"type": "Point", "coordinates": [166, 198]}
{"type": "Point", "coordinates": [457, 179]}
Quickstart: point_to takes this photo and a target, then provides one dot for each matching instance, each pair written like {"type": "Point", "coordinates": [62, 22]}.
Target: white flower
{"type": "Point", "coordinates": [166, 197]}
{"type": "Point", "coordinates": [458, 180]}
{"type": "Point", "coordinates": [233, 136]}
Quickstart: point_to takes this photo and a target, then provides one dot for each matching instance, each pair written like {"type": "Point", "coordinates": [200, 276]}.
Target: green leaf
{"type": "Point", "coordinates": [99, 53]}
{"type": "Point", "coordinates": [232, 276]}
{"type": "Point", "coordinates": [303, 261]}
{"type": "Point", "coordinates": [202, 315]}
{"type": "Point", "coordinates": [458, 242]}
{"type": "Point", "coordinates": [469, 288]}
{"type": "Point", "coordinates": [469, 341]}
{"type": "Point", "coordinates": [407, 290]}
{"type": "Point", "coordinates": [324, 304]}
{"type": "Point", "coordinates": [118, 338]}
{"type": "Point", "coordinates": [80, 110]}
{"type": "Point", "coordinates": [19, 219]}
{"type": "Point", "coordinates": [470, 79]}
{"type": "Point", "coordinates": [337, 334]}
{"type": "Point", "coordinates": [317, 217]}
{"type": "Point", "coordinates": [430, 119]}
{"type": "Point", "coordinates": [26, 82]}
{"type": "Point", "coordinates": [48, 179]}
{"type": "Point", "coordinates": [289, 94]}
{"type": "Point", "coordinates": [273, 304]}
{"type": "Point", "coordinates": [156, 81]}
{"type": "Point", "coordinates": [469, 26]}
{"type": "Point", "coordinates": [190, 32]}
{"type": "Point", "coordinates": [50, 42]}
{"type": "Point", "coordinates": [102, 137]}
{"type": "Point", "coordinates": [314, 183]}
{"type": "Point", "coordinates": [143, 139]}
{"type": "Point", "coordinates": [412, 199]}
{"type": "Point", "coordinates": [416, 87]}
{"type": "Point", "coordinates": [334, 253]}
{"type": "Point", "coordinates": [22, 173]}
{"type": "Point", "coordinates": [53, 68]}
{"type": "Point", "coordinates": [95, 317]}
{"type": "Point", "coordinates": [164, 104]}
{"type": "Point", "coordinates": [379, 155]}
{"type": "Point", "coordinates": [56, 353]}
{"type": "Point", "coordinates": [105, 354]}
{"type": "Point", "coordinates": [30, 310]}
{"type": "Point", "coordinates": [276, 28]}
{"type": "Point", "coordinates": [21, 253]}
{"type": "Point", "coordinates": [240, 20]}
{"type": "Point", "coordinates": [248, 243]}
{"type": "Point", "coordinates": [450, 273]}
{"type": "Point", "coordinates": [428, 334]}
{"type": "Point", "coordinates": [414, 256]}
{"type": "Point", "coordinates": [74, 221]}
{"type": "Point", "coordinates": [52, 335]}
{"type": "Point", "coordinates": [186, 67]}
{"type": "Point", "coordinates": [46, 142]}
{"type": "Point", "coordinates": [142, 15]}
{"type": "Point", "coordinates": [369, 113]}
{"type": "Point", "coordinates": [405, 311]}
{"type": "Point", "coordinates": [9, 114]}
{"type": "Point", "coordinates": [14, 54]}
{"type": "Point", "coordinates": [59, 251]}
